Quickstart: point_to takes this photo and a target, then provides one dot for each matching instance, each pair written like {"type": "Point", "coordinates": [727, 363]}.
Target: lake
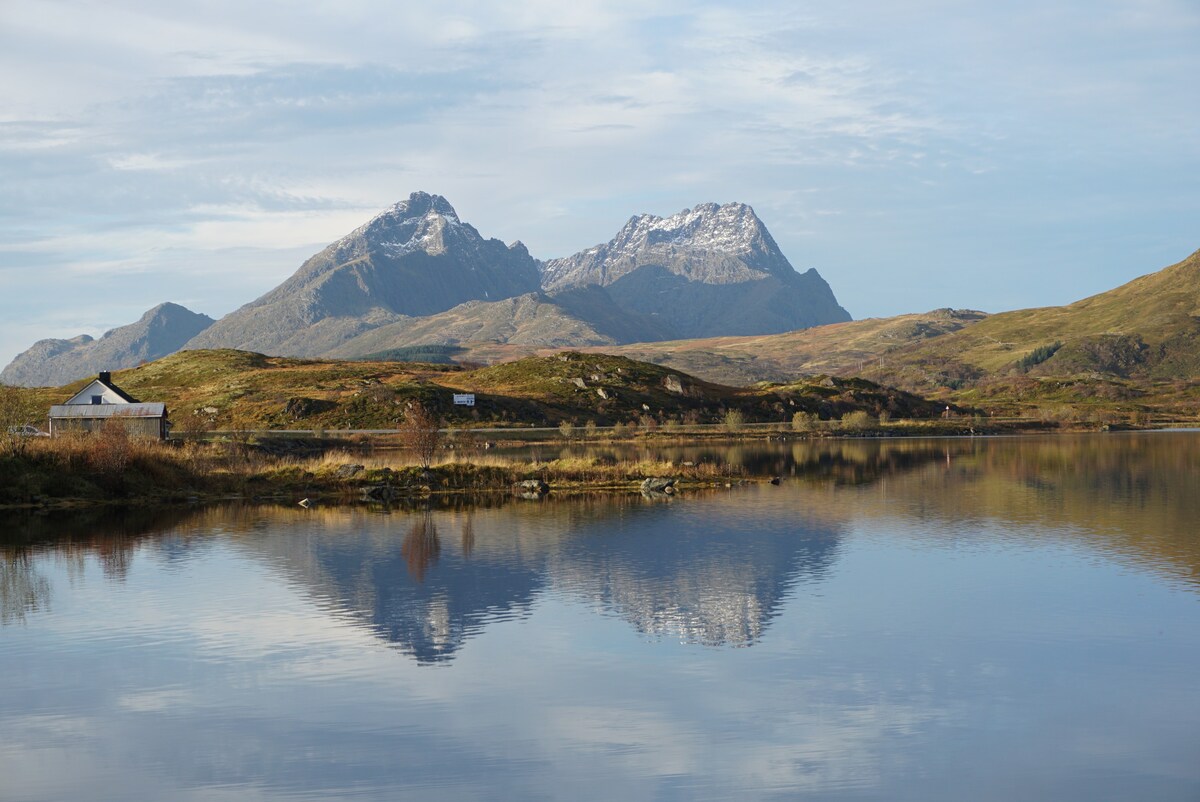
{"type": "Point", "coordinates": [984, 619]}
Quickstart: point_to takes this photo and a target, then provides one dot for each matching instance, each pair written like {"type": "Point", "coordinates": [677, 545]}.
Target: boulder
{"type": "Point", "coordinates": [384, 493]}
{"type": "Point", "coordinates": [348, 471]}
{"type": "Point", "coordinates": [536, 486]}
{"type": "Point", "coordinates": [657, 484]}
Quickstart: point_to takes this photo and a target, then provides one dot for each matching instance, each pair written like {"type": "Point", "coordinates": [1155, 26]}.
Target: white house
{"type": "Point", "coordinates": [102, 401]}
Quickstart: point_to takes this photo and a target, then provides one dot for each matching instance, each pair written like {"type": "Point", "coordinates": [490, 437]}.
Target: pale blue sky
{"type": "Point", "coordinates": [918, 154]}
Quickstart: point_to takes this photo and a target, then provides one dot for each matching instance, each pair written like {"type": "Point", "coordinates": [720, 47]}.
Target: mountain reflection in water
{"type": "Point", "coordinates": [428, 579]}
{"type": "Point", "coordinates": [934, 620]}
{"type": "Point", "coordinates": [708, 584]}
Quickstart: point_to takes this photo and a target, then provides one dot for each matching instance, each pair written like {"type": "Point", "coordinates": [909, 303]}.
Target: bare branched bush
{"type": "Point", "coordinates": [420, 432]}
{"type": "Point", "coordinates": [109, 450]}
{"type": "Point", "coordinates": [734, 420]}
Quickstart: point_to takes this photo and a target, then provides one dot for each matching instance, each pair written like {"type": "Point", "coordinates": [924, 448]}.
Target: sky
{"type": "Point", "coordinates": [919, 155]}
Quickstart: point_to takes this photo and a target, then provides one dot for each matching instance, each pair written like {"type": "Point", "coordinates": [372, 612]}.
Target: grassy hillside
{"type": "Point", "coordinates": [1136, 347]}
{"type": "Point", "coordinates": [227, 389]}
{"type": "Point", "coordinates": [844, 349]}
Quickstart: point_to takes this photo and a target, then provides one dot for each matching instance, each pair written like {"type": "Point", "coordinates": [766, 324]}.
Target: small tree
{"type": "Point", "coordinates": [589, 430]}
{"type": "Point", "coordinates": [566, 429]}
{"type": "Point", "coordinates": [804, 421]}
{"type": "Point", "coordinates": [856, 421]}
{"type": "Point", "coordinates": [734, 420]}
{"type": "Point", "coordinates": [420, 431]}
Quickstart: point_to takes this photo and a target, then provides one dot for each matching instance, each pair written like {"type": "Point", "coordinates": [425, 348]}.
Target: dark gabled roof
{"type": "Point", "coordinates": [152, 409]}
{"type": "Point", "coordinates": [119, 391]}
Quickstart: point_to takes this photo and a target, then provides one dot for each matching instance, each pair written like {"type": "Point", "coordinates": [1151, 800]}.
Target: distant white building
{"type": "Point", "coordinates": [102, 401]}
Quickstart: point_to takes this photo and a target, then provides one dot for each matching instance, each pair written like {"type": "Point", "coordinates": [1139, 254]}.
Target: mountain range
{"type": "Point", "coordinates": [416, 275]}
{"type": "Point", "coordinates": [706, 292]}
{"type": "Point", "coordinates": [161, 331]}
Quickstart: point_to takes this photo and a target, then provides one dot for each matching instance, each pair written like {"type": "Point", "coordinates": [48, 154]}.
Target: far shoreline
{"type": "Point", "coordinates": [77, 473]}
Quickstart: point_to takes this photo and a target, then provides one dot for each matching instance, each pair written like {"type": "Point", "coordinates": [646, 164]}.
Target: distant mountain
{"type": "Point", "coordinates": [708, 271]}
{"type": "Point", "coordinates": [161, 331]}
{"type": "Point", "coordinates": [418, 275]}
{"type": "Point", "coordinates": [415, 259]}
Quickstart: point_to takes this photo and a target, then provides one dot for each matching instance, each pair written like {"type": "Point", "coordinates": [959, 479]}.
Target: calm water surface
{"type": "Point", "coordinates": [959, 619]}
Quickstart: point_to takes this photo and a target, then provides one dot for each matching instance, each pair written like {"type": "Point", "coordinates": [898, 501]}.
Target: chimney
{"type": "Point", "coordinates": [105, 377]}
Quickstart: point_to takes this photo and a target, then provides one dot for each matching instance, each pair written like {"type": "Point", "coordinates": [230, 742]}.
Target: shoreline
{"type": "Point", "coordinates": [80, 474]}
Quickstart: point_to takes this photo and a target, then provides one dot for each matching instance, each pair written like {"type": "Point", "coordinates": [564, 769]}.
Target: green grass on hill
{"type": "Point", "coordinates": [226, 389]}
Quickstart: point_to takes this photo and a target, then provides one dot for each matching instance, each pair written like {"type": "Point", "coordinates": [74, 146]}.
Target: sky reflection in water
{"type": "Point", "coordinates": [918, 620]}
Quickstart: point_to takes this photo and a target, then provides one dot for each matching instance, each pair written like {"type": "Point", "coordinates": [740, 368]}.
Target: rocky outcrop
{"type": "Point", "coordinates": [657, 486]}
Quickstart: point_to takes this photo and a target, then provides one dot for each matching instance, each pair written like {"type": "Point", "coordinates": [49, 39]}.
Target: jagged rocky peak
{"type": "Point", "coordinates": [711, 243]}
{"type": "Point", "coordinates": [420, 207]}
{"type": "Point", "coordinates": [732, 227]}
{"type": "Point", "coordinates": [418, 223]}
{"type": "Point", "coordinates": [707, 271]}
{"type": "Point", "coordinates": [413, 259]}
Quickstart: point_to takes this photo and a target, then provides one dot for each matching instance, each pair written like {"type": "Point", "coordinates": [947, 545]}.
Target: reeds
{"type": "Point", "coordinates": [111, 465]}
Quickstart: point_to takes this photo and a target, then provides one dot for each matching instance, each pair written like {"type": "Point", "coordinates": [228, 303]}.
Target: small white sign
{"type": "Point", "coordinates": [464, 399]}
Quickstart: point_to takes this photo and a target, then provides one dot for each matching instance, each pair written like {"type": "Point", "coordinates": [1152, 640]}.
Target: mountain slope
{"type": "Point", "coordinates": [841, 349]}
{"type": "Point", "coordinates": [162, 330]}
{"type": "Point", "coordinates": [1146, 329]}
{"type": "Point", "coordinates": [416, 258]}
{"type": "Point", "coordinates": [582, 317]}
{"type": "Point", "coordinates": [708, 271]}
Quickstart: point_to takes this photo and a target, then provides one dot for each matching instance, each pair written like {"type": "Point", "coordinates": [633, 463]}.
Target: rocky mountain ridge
{"type": "Point", "coordinates": [414, 259]}
{"type": "Point", "coordinates": [712, 270]}
{"type": "Point", "coordinates": [732, 232]}
{"type": "Point", "coordinates": [417, 274]}
{"type": "Point", "coordinates": [160, 331]}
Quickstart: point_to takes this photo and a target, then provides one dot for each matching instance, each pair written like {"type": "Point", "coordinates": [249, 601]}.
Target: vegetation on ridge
{"type": "Point", "coordinates": [234, 390]}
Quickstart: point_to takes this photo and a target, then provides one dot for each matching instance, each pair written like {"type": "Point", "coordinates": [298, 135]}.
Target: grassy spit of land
{"type": "Point", "coordinates": [110, 467]}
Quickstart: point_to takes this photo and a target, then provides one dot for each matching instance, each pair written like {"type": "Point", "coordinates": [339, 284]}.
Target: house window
{"type": "Point", "coordinates": [97, 399]}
